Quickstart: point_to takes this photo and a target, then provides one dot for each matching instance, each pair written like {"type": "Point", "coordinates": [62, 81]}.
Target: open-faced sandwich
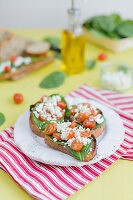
{"type": "Point", "coordinates": [64, 129]}
{"type": "Point", "coordinates": [19, 66]}
{"type": "Point", "coordinates": [89, 117]}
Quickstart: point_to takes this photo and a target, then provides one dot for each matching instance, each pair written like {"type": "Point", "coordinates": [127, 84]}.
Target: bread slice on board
{"type": "Point", "coordinates": [26, 69]}
{"type": "Point", "coordinates": [63, 149]}
{"type": "Point", "coordinates": [37, 49]}
{"type": "Point", "coordinates": [12, 46]}
{"type": "Point", "coordinates": [4, 34]}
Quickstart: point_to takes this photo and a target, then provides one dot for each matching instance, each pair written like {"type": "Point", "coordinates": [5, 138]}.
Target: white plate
{"type": "Point", "coordinates": [35, 148]}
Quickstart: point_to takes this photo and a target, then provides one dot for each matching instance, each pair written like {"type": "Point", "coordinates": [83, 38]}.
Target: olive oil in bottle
{"type": "Point", "coordinates": [73, 44]}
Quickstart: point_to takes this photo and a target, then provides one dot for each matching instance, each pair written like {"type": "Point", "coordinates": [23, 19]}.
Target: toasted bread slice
{"type": "Point", "coordinates": [63, 149]}
{"type": "Point", "coordinates": [37, 49]}
{"type": "Point", "coordinates": [33, 125]}
{"type": "Point", "coordinates": [12, 46]}
{"type": "Point", "coordinates": [4, 34]}
{"type": "Point", "coordinates": [26, 69]}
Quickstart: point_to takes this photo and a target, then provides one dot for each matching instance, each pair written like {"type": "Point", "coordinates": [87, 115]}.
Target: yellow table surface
{"type": "Point", "coordinates": [117, 181]}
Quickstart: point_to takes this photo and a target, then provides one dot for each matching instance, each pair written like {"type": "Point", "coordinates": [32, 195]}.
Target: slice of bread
{"type": "Point", "coordinates": [4, 34]}
{"type": "Point", "coordinates": [63, 149]}
{"type": "Point", "coordinates": [33, 125]}
{"type": "Point", "coordinates": [37, 49]}
{"type": "Point", "coordinates": [12, 46]}
{"type": "Point", "coordinates": [26, 69]}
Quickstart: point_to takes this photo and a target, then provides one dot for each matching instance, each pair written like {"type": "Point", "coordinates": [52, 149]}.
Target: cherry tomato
{"type": "Point", "coordinates": [86, 116]}
{"type": "Point", "coordinates": [85, 134]}
{"type": "Point", "coordinates": [76, 145]}
{"type": "Point", "coordinates": [7, 69]}
{"type": "Point", "coordinates": [73, 124]}
{"type": "Point", "coordinates": [71, 134]}
{"type": "Point", "coordinates": [89, 124]}
{"type": "Point", "coordinates": [18, 98]}
{"type": "Point", "coordinates": [13, 58]}
{"type": "Point", "coordinates": [43, 97]}
{"type": "Point", "coordinates": [57, 135]}
{"type": "Point", "coordinates": [102, 56]}
{"type": "Point", "coordinates": [61, 104]}
{"type": "Point", "coordinates": [50, 128]}
{"type": "Point", "coordinates": [81, 117]}
{"type": "Point", "coordinates": [72, 110]}
{"type": "Point", "coordinates": [41, 118]}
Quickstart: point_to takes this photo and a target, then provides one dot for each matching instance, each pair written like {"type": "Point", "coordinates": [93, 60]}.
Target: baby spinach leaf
{"type": "Point", "coordinates": [53, 80]}
{"type": "Point", "coordinates": [80, 155]}
{"type": "Point", "coordinates": [125, 29]}
{"type": "Point", "coordinates": [2, 118]}
{"type": "Point", "coordinates": [62, 142]}
{"type": "Point", "coordinates": [53, 40]}
{"type": "Point", "coordinates": [90, 64]}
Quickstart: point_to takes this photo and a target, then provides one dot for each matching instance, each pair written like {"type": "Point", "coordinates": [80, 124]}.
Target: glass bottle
{"type": "Point", "coordinates": [73, 44]}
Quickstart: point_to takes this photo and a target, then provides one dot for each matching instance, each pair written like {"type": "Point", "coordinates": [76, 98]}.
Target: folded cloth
{"type": "Point", "coordinates": [54, 182]}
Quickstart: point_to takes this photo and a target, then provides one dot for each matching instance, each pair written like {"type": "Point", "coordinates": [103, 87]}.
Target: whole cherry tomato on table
{"type": "Point", "coordinates": [18, 98]}
{"type": "Point", "coordinates": [102, 56]}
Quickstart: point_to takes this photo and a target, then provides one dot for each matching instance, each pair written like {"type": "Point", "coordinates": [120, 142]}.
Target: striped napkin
{"type": "Point", "coordinates": [46, 182]}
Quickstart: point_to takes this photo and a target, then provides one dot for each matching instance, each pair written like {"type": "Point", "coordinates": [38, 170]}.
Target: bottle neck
{"type": "Point", "coordinates": [74, 20]}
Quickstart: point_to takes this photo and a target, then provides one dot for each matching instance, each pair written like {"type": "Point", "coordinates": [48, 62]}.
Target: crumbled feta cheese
{"type": "Point", "coordinates": [99, 118]}
{"type": "Point", "coordinates": [116, 80]}
{"type": "Point", "coordinates": [55, 140]}
{"type": "Point", "coordinates": [22, 60]}
{"type": "Point", "coordinates": [36, 114]}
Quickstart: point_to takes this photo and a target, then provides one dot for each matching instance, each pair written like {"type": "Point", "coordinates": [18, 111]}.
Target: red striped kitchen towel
{"type": "Point", "coordinates": [56, 183]}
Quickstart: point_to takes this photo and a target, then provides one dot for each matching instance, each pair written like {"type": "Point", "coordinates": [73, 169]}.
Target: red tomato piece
{"type": "Point", "coordinates": [18, 98]}
{"type": "Point", "coordinates": [42, 119]}
{"type": "Point", "coordinates": [76, 145]}
{"type": "Point", "coordinates": [50, 128]}
{"type": "Point", "coordinates": [73, 124]}
{"type": "Point", "coordinates": [61, 104]}
{"type": "Point", "coordinates": [7, 69]}
{"type": "Point", "coordinates": [81, 117]}
{"type": "Point", "coordinates": [89, 124]}
{"type": "Point", "coordinates": [102, 56]}
{"type": "Point", "coordinates": [57, 135]}
{"type": "Point", "coordinates": [13, 58]}
{"type": "Point", "coordinates": [71, 134]}
{"type": "Point", "coordinates": [72, 110]}
{"type": "Point", "coordinates": [85, 134]}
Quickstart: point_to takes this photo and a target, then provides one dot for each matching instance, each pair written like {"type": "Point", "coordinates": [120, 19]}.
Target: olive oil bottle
{"type": "Point", "coordinates": [73, 44]}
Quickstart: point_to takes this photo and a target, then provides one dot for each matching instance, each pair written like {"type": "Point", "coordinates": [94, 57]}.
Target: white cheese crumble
{"type": "Point", "coordinates": [49, 109]}
{"type": "Point", "coordinates": [55, 140]}
{"type": "Point", "coordinates": [99, 118]}
{"type": "Point", "coordinates": [22, 60]}
{"type": "Point", "coordinates": [116, 80]}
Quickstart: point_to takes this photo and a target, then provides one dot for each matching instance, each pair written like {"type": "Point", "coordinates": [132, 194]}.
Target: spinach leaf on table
{"type": "Point", "coordinates": [53, 80]}
{"type": "Point", "coordinates": [2, 118]}
{"type": "Point", "coordinates": [90, 64]}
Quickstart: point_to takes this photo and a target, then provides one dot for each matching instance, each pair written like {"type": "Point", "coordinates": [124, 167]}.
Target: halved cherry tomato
{"type": "Point", "coordinates": [86, 104]}
{"type": "Point", "coordinates": [93, 112]}
{"type": "Point", "coordinates": [86, 116]}
{"type": "Point", "coordinates": [50, 128]}
{"type": "Point", "coordinates": [13, 58]}
{"type": "Point", "coordinates": [42, 97]}
{"type": "Point", "coordinates": [7, 69]}
{"type": "Point", "coordinates": [81, 117]}
{"type": "Point", "coordinates": [42, 119]}
{"type": "Point", "coordinates": [85, 134]}
{"type": "Point", "coordinates": [102, 56]}
{"type": "Point", "coordinates": [72, 110]}
{"type": "Point", "coordinates": [61, 104]}
{"type": "Point", "coordinates": [18, 98]}
{"type": "Point", "coordinates": [89, 124]}
{"type": "Point", "coordinates": [76, 145]}
{"type": "Point", "coordinates": [73, 124]}
{"type": "Point", "coordinates": [71, 134]}
{"type": "Point", "coordinates": [58, 118]}
{"type": "Point", "coordinates": [57, 135]}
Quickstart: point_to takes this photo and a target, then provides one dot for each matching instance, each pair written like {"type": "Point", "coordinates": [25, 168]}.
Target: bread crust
{"type": "Point", "coordinates": [26, 69]}
{"type": "Point", "coordinates": [63, 149]}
